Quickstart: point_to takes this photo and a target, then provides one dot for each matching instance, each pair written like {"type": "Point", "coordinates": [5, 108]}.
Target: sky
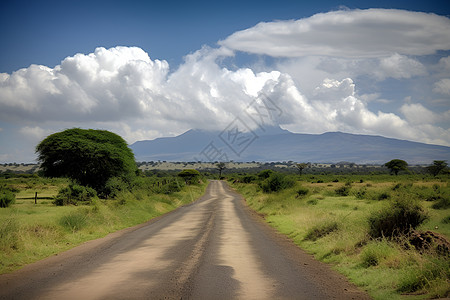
{"type": "Point", "coordinates": [148, 69]}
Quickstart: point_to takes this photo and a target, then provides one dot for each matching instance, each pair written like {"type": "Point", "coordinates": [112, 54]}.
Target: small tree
{"type": "Point", "coordinates": [189, 175]}
{"type": "Point", "coordinates": [220, 166]}
{"type": "Point", "coordinates": [300, 167]}
{"type": "Point", "coordinates": [265, 174]}
{"type": "Point", "coordinates": [437, 167]}
{"type": "Point", "coordinates": [396, 165]}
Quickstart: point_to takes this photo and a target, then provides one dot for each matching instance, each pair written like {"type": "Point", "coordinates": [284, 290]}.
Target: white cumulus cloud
{"type": "Point", "coordinates": [122, 89]}
{"type": "Point", "coordinates": [399, 66]}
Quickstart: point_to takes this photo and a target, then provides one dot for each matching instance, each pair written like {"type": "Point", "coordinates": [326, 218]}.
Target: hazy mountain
{"type": "Point", "coordinates": [276, 144]}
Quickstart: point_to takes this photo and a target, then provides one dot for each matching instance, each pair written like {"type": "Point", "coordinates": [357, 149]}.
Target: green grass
{"type": "Point", "coordinates": [330, 221]}
{"type": "Point", "coordinates": [30, 232]}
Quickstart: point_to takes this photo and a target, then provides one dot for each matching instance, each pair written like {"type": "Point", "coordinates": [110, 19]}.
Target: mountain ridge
{"type": "Point", "coordinates": [277, 144]}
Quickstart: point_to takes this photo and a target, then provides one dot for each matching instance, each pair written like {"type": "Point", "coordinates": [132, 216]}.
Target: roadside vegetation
{"type": "Point", "coordinates": [88, 186]}
{"type": "Point", "coordinates": [67, 214]}
{"type": "Point", "coordinates": [387, 233]}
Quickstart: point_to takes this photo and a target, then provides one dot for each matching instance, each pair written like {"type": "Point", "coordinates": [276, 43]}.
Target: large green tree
{"type": "Point", "coordinates": [87, 156]}
{"type": "Point", "coordinates": [396, 165]}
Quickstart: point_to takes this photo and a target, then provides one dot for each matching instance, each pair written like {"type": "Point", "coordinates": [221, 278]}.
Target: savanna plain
{"type": "Point", "coordinates": [388, 234]}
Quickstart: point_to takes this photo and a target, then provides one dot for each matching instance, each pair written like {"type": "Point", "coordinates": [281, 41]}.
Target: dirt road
{"type": "Point", "coordinates": [215, 248]}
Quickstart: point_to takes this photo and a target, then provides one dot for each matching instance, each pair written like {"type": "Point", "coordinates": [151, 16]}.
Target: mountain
{"type": "Point", "coordinates": [276, 144]}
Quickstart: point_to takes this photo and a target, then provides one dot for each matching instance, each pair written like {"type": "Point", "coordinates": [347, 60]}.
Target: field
{"type": "Point", "coordinates": [328, 216]}
{"type": "Point", "coordinates": [30, 232]}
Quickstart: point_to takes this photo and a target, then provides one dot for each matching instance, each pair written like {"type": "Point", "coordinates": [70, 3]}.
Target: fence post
{"type": "Point", "coordinates": [35, 198]}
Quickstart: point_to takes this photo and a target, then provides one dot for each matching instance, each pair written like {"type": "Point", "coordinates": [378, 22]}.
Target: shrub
{"type": "Point", "coordinates": [383, 196]}
{"type": "Point", "coordinates": [172, 187]}
{"type": "Point", "coordinates": [397, 186]}
{"type": "Point", "coordinates": [375, 252]}
{"type": "Point", "coordinates": [301, 192]}
{"type": "Point", "coordinates": [74, 193]}
{"type": "Point", "coordinates": [321, 230]}
{"type": "Point", "coordinates": [249, 178]}
{"type": "Point", "coordinates": [114, 186]}
{"type": "Point", "coordinates": [265, 174]}
{"type": "Point", "coordinates": [6, 198]}
{"type": "Point", "coordinates": [397, 219]}
{"type": "Point", "coordinates": [276, 182]}
{"type": "Point", "coordinates": [441, 203]}
{"type": "Point", "coordinates": [313, 201]}
{"type": "Point", "coordinates": [342, 191]}
{"type": "Point", "coordinates": [361, 194]}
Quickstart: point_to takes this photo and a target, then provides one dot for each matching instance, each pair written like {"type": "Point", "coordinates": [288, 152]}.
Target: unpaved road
{"type": "Point", "coordinates": [216, 248]}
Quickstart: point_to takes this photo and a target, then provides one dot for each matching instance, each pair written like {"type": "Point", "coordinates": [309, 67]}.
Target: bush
{"type": "Point", "coordinates": [114, 186]}
{"type": "Point", "coordinates": [6, 198]}
{"type": "Point", "coordinates": [74, 193]}
{"type": "Point", "coordinates": [342, 191]}
{"type": "Point", "coordinates": [321, 230]}
{"type": "Point", "coordinates": [397, 219]}
{"type": "Point", "coordinates": [172, 187]}
{"type": "Point", "coordinates": [375, 252]}
{"type": "Point", "coordinates": [312, 202]}
{"type": "Point", "coordinates": [383, 196]}
{"type": "Point", "coordinates": [441, 203]}
{"type": "Point", "coordinates": [276, 182]}
{"type": "Point", "coordinates": [249, 178]}
{"type": "Point", "coordinates": [301, 192]}
{"type": "Point", "coordinates": [265, 174]}
{"type": "Point", "coordinates": [361, 194]}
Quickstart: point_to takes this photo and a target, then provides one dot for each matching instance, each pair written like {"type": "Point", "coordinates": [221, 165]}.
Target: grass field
{"type": "Point", "coordinates": [328, 217]}
{"type": "Point", "coordinates": [30, 232]}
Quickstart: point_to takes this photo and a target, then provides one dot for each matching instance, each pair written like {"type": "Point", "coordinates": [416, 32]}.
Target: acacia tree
{"type": "Point", "coordinates": [300, 167]}
{"type": "Point", "coordinates": [437, 167]}
{"type": "Point", "coordinates": [89, 157]}
{"type": "Point", "coordinates": [189, 175]}
{"type": "Point", "coordinates": [221, 166]}
{"type": "Point", "coordinates": [396, 165]}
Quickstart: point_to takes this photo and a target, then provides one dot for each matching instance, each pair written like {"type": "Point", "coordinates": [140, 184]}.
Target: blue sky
{"type": "Point", "coordinates": [45, 32]}
{"type": "Point", "coordinates": [182, 60]}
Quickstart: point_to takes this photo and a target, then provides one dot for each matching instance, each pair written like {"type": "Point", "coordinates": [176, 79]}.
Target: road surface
{"type": "Point", "coordinates": [215, 248]}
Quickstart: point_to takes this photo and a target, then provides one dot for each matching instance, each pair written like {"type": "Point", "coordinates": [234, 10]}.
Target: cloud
{"type": "Point", "coordinates": [399, 66]}
{"type": "Point", "coordinates": [416, 113]}
{"type": "Point", "coordinates": [109, 84]}
{"type": "Point", "coordinates": [442, 87]}
{"type": "Point", "coordinates": [122, 89]}
{"type": "Point", "coordinates": [347, 33]}
{"type": "Point", "coordinates": [444, 63]}
{"type": "Point", "coordinates": [34, 133]}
